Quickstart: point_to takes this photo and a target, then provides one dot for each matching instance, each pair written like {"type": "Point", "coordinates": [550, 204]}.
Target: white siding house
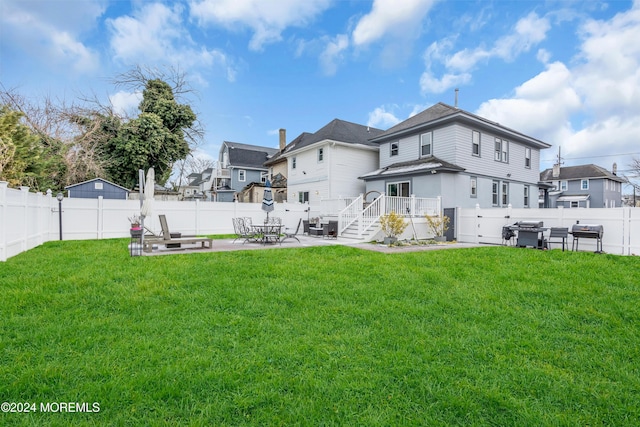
{"type": "Point", "coordinates": [326, 164]}
{"type": "Point", "coordinates": [464, 158]}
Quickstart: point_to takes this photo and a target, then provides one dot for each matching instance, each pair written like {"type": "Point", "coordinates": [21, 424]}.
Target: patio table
{"type": "Point", "coordinates": [268, 232]}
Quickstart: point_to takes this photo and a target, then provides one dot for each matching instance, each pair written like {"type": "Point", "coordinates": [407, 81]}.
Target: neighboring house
{"type": "Point", "coordinates": [463, 158]}
{"type": "Point", "coordinates": [585, 186]}
{"type": "Point", "coordinates": [199, 185]}
{"type": "Point", "coordinates": [239, 166]}
{"type": "Point", "coordinates": [159, 193]}
{"type": "Point", "coordinates": [95, 188]}
{"type": "Point", "coordinates": [327, 163]}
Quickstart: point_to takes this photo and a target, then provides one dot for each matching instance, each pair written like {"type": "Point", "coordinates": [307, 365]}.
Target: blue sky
{"type": "Point", "coordinates": [566, 72]}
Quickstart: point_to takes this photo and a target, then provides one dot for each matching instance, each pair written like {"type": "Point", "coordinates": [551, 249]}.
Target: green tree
{"type": "Point", "coordinates": [21, 160]}
{"type": "Point", "coordinates": [156, 138]}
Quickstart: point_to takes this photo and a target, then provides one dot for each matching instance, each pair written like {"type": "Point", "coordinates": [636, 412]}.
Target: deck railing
{"type": "Point", "coordinates": [365, 216]}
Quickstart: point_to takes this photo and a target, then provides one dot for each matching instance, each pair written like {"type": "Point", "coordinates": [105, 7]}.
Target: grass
{"type": "Point", "coordinates": [321, 336]}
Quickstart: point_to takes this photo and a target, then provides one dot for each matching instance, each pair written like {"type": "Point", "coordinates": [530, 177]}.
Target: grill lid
{"type": "Point", "coordinates": [529, 224]}
{"type": "Point", "coordinates": [587, 230]}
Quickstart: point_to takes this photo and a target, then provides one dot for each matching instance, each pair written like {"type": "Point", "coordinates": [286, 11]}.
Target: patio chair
{"type": "Point", "coordinates": [169, 241]}
{"type": "Point", "coordinates": [561, 233]}
{"type": "Point", "coordinates": [243, 230]}
{"type": "Point", "coordinates": [288, 235]}
{"type": "Point", "coordinates": [507, 235]}
{"type": "Point", "coordinates": [330, 230]}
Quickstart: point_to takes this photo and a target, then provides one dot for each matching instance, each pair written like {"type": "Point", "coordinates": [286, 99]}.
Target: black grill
{"type": "Point", "coordinates": [587, 231]}
{"type": "Point", "coordinates": [530, 233]}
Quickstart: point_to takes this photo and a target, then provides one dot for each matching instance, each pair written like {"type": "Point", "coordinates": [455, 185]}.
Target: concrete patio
{"type": "Point", "coordinates": [226, 245]}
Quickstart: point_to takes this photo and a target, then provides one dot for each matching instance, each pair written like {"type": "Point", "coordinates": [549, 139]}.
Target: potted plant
{"type": "Point", "coordinates": [136, 229]}
{"type": "Point", "coordinates": [438, 226]}
{"type": "Point", "coordinates": [392, 226]}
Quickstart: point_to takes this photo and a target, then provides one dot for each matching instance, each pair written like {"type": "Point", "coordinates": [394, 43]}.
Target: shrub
{"type": "Point", "coordinates": [392, 224]}
{"type": "Point", "coordinates": [438, 224]}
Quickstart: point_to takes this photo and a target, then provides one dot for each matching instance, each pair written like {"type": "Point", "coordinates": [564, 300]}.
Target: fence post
{"type": "Point", "coordinates": [197, 217]}
{"type": "Point", "coordinates": [626, 230]}
{"type": "Point", "coordinates": [3, 220]}
{"type": "Point", "coordinates": [477, 223]}
{"type": "Point", "coordinates": [412, 207]}
{"type": "Point", "coordinates": [100, 217]}
{"type": "Point", "coordinates": [25, 205]}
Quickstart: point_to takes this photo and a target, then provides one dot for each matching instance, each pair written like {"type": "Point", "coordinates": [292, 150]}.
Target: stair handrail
{"type": "Point", "coordinates": [372, 213]}
{"type": "Point", "coordinates": [349, 215]}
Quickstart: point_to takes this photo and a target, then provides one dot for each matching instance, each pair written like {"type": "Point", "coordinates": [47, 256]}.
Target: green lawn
{"type": "Point", "coordinates": [321, 336]}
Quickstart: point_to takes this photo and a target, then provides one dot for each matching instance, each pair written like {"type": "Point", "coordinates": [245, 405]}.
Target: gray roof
{"type": "Point", "coordinates": [441, 113]}
{"type": "Point", "coordinates": [95, 179]}
{"type": "Point", "coordinates": [579, 172]}
{"type": "Point", "coordinates": [337, 130]}
{"type": "Point", "coordinates": [245, 155]}
{"type": "Point", "coordinates": [419, 166]}
{"type": "Point", "coordinates": [289, 147]}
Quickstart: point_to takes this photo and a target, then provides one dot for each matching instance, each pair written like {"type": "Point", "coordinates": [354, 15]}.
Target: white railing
{"type": "Point", "coordinates": [330, 207]}
{"type": "Point", "coordinates": [366, 218]}
{"type": "Point", "coordinates": [413, 206]}
{"type": "Point", "coordinates": [349, 214]}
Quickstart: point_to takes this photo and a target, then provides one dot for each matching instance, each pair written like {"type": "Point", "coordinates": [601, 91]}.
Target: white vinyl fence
{"type": "Point", "coordinates": [621, 225]}
{"type": "Point", "coordinates": [30, 219]}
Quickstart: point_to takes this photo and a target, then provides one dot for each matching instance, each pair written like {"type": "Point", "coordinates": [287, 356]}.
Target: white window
{"type": "Point", "coordinates": [320, 155]}
{"type": "Point", "coordinates": [584, 184]}
{"type": "Point", "coordinates": [526, 196]}
{"type": "Point", "coordinates": [563, 185]}
{"type": "Point", "coordinates": [475, 143]}
{"type": "Point", "coordinates": [242, 175]}
{"type": "Point", "coordinates": [495, 188]}
{"type": "Point", "coordinates": [293, 163]}
{"type": "Point", "coordinates": [474, 186]}
{"type": "Point", "coordinates": [399, 189]}
{"type": "Point", "coordinates": [98, 186]}
{"type": "Point", "coordinates": [505, 193]}
{"type": "Point", "coordinates": [395, 146]}
{"type": "Point", "coordinates": [501, 150]}
{"type": "Point", "coordinates": [263, 177]}
{"type": "Point", "coordinates": [426, 140]}
{"type": "Point", "coordinates": [527, 158]}
{"type": "Point", "coordinates": [303, 196]}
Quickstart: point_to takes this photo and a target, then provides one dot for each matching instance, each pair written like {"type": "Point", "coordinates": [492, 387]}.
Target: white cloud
{"type": "Point", "coordinates": [52, 33]}
{"type": "Point", "coordinates": [125, 104]}
{"type": "Point", "coordinates": [528, 32]}
{"type": "Point", "coordinates": [391, 17]}
{"type": "Point", "coordinates": [591, 110]}
{"type": "Point", "coordinates": [333, 54]}
{"type": "Point", "coordinates": [382, 119]}
{"type": "Point", "coordinates": [155, 33]}
{"type": "Point", "coordinates": [266, 18]}
{"type": "Point", "coordinates": [542, 106]}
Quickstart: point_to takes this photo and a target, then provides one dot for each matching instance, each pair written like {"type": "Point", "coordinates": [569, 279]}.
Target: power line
{"type": "Point", "coordinates": [592, 157]}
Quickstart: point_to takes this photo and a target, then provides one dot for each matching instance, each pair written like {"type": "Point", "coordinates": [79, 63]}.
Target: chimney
{"type": "Point", "coordinates": [456, 100]}
{"type": "Point", "coordinates": [283, 139]}
{"type": "Point", "coordinates": [556, 171]}
{"type": "Point", "coordinates": [614, 170]}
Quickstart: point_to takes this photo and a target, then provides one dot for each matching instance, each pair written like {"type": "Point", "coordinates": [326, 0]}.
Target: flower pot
{"type": "Point", "coordinates": [440, 239]}
{"type": "Point", "coordinates": [390, 240]}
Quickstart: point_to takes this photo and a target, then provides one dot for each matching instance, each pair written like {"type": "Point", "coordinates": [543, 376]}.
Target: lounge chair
{"type": "Point", "coordinates": [168, 241]}
{"type": "Point", "coordinates": [288, 235]}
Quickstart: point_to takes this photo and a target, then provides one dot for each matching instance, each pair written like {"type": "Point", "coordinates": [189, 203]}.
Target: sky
{"type": "Point", "coordinates": [565, 72]}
